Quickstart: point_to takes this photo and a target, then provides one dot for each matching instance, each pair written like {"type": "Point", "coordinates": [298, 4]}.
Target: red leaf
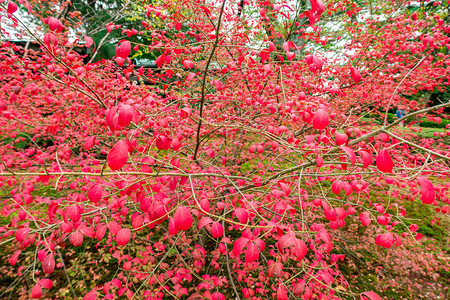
{"type": "Point", "coordinates": [118, 155]}
{"type": "Point", "coordinates": [241, 214]}
{"type": "Point", "coordinates": [74, 213]}
{"type": "Point", "coordinates": [14, 257]}
{"type": "Point", "coordinates": [46, 283]}
{"type": "Point", "coordinates": [252, 253]}
{"type": "Point", "coordinates": [365, 218]}
{"type": "Point", "coordinates": [163, 143]}
{"type": "Point", "coordinates": [12, 7]}
{"type": "Point", "coordinates": [188, 64]}
{"type": "Point", "coordinates": [264, 56]}
{"type": "Point", "coordinates": [21, 234]}
{"type": "Point", "coordinates": [290, 55]}
{"type": "Point", "coordinates": [204, 221]}
{"type": "Point", "coordinates": [239, 244]}
{"type": "Point", "coordinates": [123, 49]}
{"type": "Point", "coordinates": [336, 187]}
{"type": "Point", "coordinates": [114, 227]}
{"type": "Point", "coordinates": [89, 143]}
{"type": "Point", "coordinates": [36, 292]}
{"type": "Point", "coordinates": [366, 159]}
{"type": "Point", "coordinates": [341, 138]}
{"type": "Point", "coordinates": [272, 47]}
{"type": "Point", "coordinates": [100, 231]}
{"type": "Point", "coordinates": [87, 231]}
{"type": "Point", "coordinates": [76, 238]}
{"type": "Point", "coordinates": [88, 41]}
{"type": "Point", "coordinates": [321, 119]}
{"type": "Point", "coordinates": [356, 76]}
{"type": "Point", "coordinates": [282, 293]}
{"type": "Point", "coordinates": [54, 24]}
{"type": "Point", "coordinates": [384, 161]}
{"type": "Point", "coordinates": [171, 227]}
{"type": "Point", "coordinates": [96, 193]}
{"type": "Point", "coordinates": [385, 240]}
{"type": "Point", "coordinates": [319, 161]}
{"type": "Point", "coordinates": [123, 236]}
{"type": "Point", "coordinates": [257, 181]}
{"type": "Point", "coordinates": [126, 113]}
{"type": "Point", "coordinates": [217, 230]}
{"type": "Point", "coordinates": [351, 154]}
{"type": "Point", "coordinates": [413, 227]}
{"type": "Point", "coordinates": [48, 265]}
{"type": "Point", "coordinates": [298, 246]}
{"type": "Point", "coordinates": [182, 218]}
{"type": "Point", "coordinates": [428, 192]}
{"type": "Point", "coordinates": [370, 296]}
{"type": "Point", "coordinates": [91, 296]}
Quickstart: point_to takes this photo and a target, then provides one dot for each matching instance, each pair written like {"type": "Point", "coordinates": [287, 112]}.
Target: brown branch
{"type": "Point", "coordinates": [202, 100]}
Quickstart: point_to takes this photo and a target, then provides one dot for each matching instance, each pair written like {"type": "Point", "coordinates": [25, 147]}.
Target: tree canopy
{"type": "Point", "coordinates": [203, 149]}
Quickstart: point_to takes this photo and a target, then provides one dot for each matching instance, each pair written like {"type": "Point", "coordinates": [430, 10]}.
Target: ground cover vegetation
{"type": "Point", "coordinates": [259, 157]}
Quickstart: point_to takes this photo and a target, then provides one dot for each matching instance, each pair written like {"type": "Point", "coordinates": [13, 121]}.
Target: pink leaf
{"type": "Point", "coordinates": [341, 138]}
{"type": "Point", "coordinates": [384, 161]}
{"type": "Point", "coordinates": [356, 76]}
{"type": "Point", "coordinates": [370, 296]}
{"type": "Point", "coordinates": [365, 218]}
{"type": "Point", "coordinates": [257, 181]}
{"type": "Point", "coordinates": [239, 244]}
{"type": "Point", "coordinates": [74, 213]}
{"type": "Point", "coordinates": [385, 240]}
{"type": "Point", "coordinates": [171, 227]}
{"type": "Point", "coordinates": [54, 24]}
{"type": "Point", "coordinates": [217, 230]}
{"type": "Point", "coordinates": [46, 283]}
{"type": "Point", "coordinates": [188, 64]}
{"type": "Point", "coordinates": [76, 238]}
{"type": "Point", "coordinates": [241, 214]}
{"type": "Point", "coordinates": [12, 7]}
{"type": "Point", "coordinates": [321, 119]}
{"type": "Point", "coordinates": [182, 218]}
{"type": "Point", "coordinates": [204, 221]}
{"type": "Point", "coordinates": [351, 154]}
{"type": "Point", "coordinates": [36, 292]}
{"type": "Point", "coordinates": [428, 192]}
{"type": "Point", "coordinates": [87, 231]}
{"type": "Point", "coordinates": [163, 143]}
{"type": "Point", "coordinates": [252, 253]}
{"type": "Point", "coordinates": [123, 236]}
{"type": "Point", "coordinates": [118, 155]}
{"type": "Point", "coordinates": [337, 186]}
{"type": "Point", "coordinates": [319, 161]}
{"type": "Point", "coordinates": [48, 265]}
{"type": "Point", "coordinates": [88, 41]}
{"type": "Point", "coordinates": [123, 49]}
{"type": "Point", "coordinates": [90, 296]}
{"type": "Point", "coordinates": [15, 257]}
{"type": "Point", "coordinates": [290, 55]}
{"type": "Point", "coordinates": [413, 227]}
{"type": "Point", "coordinates": [272, 47]}
{"type": "Point", "coordinates": [100, 231]}
{"type": "Point", "coordinates": [95, 193]}
{"type": "Point", "coordinates": [125, 116]}
{"type": "Point", "coordinates": [366, 159]}
{"type": "Point", "coordinates": [114, 227]}
{"type": "Point", "coordinates": [21, 234]}
{"type": "Point", "coordinates": [282, 293]}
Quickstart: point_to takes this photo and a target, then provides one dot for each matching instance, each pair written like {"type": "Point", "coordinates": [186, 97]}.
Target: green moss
{"type": "Point", "coordinates": [422, 214]}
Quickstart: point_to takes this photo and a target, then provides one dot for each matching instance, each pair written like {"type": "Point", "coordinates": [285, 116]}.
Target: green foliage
{"type": "Point", "coordinates": [24, 141]}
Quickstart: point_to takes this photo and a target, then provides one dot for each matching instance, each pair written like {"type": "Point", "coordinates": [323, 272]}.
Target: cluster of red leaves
{"type": "Point", "coordinates": [238, 180]}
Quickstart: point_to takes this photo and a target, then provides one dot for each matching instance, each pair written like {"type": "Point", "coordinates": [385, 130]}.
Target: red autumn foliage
{"type": "Point", "coordinates": [243, 170]}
